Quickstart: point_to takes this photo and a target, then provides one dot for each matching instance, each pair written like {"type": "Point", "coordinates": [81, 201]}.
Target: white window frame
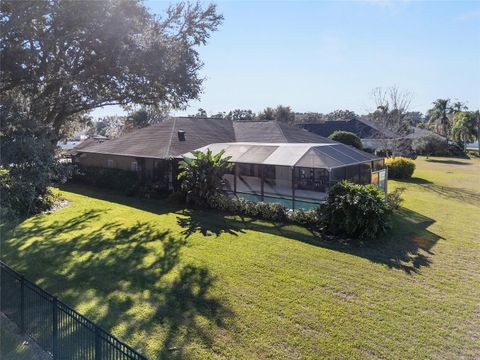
{"type": "Point", "coordinates": [134, 166]}
{"type": "Point", "coordinates": [110, 163]}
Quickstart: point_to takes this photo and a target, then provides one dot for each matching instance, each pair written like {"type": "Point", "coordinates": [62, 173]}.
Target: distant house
{"type": "Point", "coordinates": [80, 141]}
{"type": "Point", "coordinates": [154, 152]}
{"type": "Point", "coordinates": [372, 136]}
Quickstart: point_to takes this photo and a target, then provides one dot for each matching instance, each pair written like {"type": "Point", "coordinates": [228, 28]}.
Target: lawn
{"type": "Point", "coordinates": [198, 284]}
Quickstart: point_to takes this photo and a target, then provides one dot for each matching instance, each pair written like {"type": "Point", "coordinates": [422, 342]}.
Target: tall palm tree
{"type": "Point", "coordinates": [459, 106]}
{"type": "Point", "coordinates": [439, 115]}
{"type": "Point", "coordinates": [465, 128]}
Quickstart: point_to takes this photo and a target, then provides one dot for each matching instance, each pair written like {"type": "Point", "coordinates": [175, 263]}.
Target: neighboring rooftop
{"type": "Point", "coordinates": [364, 129]}
{"type": "Point", "coordinates": [312, 155]}
{"type": "Point", "coordinates": [180, 135]}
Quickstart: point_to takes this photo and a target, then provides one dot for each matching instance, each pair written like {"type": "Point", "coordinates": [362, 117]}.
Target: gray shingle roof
{"type": "Point", "coordinates": [161, 140]}
{"type": "Point", "coordinates": [363, 128]}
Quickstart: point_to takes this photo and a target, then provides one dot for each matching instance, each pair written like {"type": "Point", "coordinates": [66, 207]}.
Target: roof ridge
{"type": "Point", "coordinates": [174, 122]}
{"type": "Point", "coordinates": [281, 130]}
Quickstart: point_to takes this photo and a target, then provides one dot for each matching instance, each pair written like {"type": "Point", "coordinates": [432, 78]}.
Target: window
{"type": "Point", "coordinates": [134, 166]}
{"type": "Point", "coordinates": [110, 163]}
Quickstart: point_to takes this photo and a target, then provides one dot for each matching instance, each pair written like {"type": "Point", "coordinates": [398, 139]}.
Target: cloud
{"type": "Point", "coordinates": [468, 16]}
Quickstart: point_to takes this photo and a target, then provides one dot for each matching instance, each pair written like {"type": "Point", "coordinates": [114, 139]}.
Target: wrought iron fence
{"type": "Point", "coordinates": [57, 328]}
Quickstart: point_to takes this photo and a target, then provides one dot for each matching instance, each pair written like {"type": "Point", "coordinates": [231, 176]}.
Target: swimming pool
{"type": "Point", "coordinates": [286, 201]}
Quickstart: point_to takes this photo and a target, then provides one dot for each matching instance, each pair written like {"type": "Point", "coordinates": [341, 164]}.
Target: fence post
{"type": "Point", "coordinates": [55, 327]}
{"type": "Point", "coordinates": [22, 304]}
{"type": "Point", "coordinates": [98, 344]}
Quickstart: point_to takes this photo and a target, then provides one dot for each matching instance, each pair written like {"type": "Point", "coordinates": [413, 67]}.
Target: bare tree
{"type": "Point", "coordinates": [390, 117]}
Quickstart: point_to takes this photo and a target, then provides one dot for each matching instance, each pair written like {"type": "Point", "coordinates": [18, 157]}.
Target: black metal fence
{"type": "Point", "coordinates": [57, 328]}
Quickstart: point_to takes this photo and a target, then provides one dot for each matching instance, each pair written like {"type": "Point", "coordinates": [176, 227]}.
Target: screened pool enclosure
{"type": "Point", "coordinates": [295, 175]}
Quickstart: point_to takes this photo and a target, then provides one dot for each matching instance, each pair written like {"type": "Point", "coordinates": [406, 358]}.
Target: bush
{"type": "Point", "coordinates": [124, 181]}
{"type": "Point", "coordinates": [347, 137]}
{"type": "Point", "coordinates": [259, 210]}
{"type": "Point", "coordinates": [176, 198]}
{"type": "Point", "coordinates": [20, 198]}
{"type": "Point", "coordinates": [355, 211]}
{"type": "Point", "coordinates": [400, 167]}
{"type": "Point", "coordinates": [394, 198]}
{"type": "Point", "coordinates": [430, 145]}
{"type": "Point", "coordinates": [29, 166]}
{"type": "Point", "coordinates": [306, 218]}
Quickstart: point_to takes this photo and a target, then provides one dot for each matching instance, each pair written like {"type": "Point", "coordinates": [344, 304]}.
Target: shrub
{"type": "Point", "coordinates": [260, 210]}
{"type": "Point", "coordinates": [306, 218]}
{"type": "Point", "coordinates": [176, 198]}
{"type": "Point", "coordinates": [347, 137]}
{"type": "Point", "coordinates": [202, 176]}
{"type": "Point", "coordinates": [30, 165]}
{"type": "Point", "coordinates": [430, 145]}
{"type": "Point", "coordinates": [394, 198]}
{"type": "Point", "coordinates": [355, 211]}
{"type": "Point", "coordinates": [400, 167]}
{"type": "Point", "coordinates": [20, 198]}
{"type": "Point", "coordinates": [116, 179]}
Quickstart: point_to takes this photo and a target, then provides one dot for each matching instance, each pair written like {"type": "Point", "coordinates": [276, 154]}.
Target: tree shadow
{"type": "Point", "coordinates": [201, 221]}
{"type": "Point", "coordinates": [112, 270]}
{"type": "Point", "coordinates": [448, 162]}
{"type": "Point", "coordinates": [415, 180]}
{"type": "Point", "coordinates": [155, 206]}
{"type": "Point", "coordinates": [463, 195]}
{"type": "Point", "coordinates": [448, 192]}
{"type": "Point", "coordinates": [406, 247]}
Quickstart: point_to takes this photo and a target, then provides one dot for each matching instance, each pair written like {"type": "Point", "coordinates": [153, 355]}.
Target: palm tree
{"type": "Point", "coordinates": [465, 128]}
{"type": "Point", "coordinates": [459, 106]}
{"type": "Point", "coordinates": [439, 115]}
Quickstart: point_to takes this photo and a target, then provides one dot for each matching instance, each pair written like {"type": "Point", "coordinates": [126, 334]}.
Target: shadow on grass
{"type": "Point", "coordinates": [407, 247]}
{"type": "Point", "coordinates": [448, 162]}
{"type": "Point", "coordinates": [202, 221]}
{"type": "Point", "coordinates": [449, 192]}
{"type": "Point", "coordinates": [118, 271]}
{"type": "Point", "coordinates": [155, 206]}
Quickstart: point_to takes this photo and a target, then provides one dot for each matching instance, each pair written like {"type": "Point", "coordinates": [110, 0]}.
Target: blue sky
{"type": "Point", "coordinates": [321, 56]}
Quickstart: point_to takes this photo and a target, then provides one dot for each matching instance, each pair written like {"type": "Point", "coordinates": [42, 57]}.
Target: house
{"type": "Point", "coordinates": [154, 151]}
{"type": "Point", "coordinates": [298, 175]}
{"type": "Point", "coordinates": [371, 135]}
{"type": "Point", "coordinates": [150, 150]}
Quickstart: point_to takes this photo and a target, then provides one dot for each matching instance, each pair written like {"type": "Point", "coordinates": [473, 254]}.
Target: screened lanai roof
{"type": "Point", "coordinates": [324, 156]}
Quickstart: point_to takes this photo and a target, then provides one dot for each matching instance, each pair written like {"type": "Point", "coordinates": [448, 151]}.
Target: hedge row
{"type": "Point", "coordinates": [351, 211]}
{"type": "Point", "coordinates": [123, 181]}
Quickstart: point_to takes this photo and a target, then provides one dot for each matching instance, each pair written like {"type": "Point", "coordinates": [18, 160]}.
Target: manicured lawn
{"type": "Point", "coordinates": [202, 285]}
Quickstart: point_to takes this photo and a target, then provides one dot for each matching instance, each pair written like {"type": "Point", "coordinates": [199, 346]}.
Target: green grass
{"type": "Point", "coordinates": [212, 286]}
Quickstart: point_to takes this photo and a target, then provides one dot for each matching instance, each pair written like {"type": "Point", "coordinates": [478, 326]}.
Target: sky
{"type": "Point", "coordinates": [319, 56]}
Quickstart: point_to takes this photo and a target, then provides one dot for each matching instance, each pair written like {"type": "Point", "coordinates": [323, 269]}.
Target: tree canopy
{"type": "Point", "coordinates": [62, 59]}
{"type": "Point", "coordinates": [348, 138]}
{"type": "Point", "coordinates": [280, 113]}
{"type": "Point", "coordinates": [65, 58]}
